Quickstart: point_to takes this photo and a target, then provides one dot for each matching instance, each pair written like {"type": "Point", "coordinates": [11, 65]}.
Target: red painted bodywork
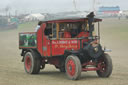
{"type": "Point", "coordinates": [59, 46]}
{"type": "Point", "coordinates": [40, 38]}
{"type": "Point", "coordinates": [56, 47]}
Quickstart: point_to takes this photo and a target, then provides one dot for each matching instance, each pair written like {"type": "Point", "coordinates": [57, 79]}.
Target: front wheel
{"type": "Point", "coordinates": [105, 65]}
{"type": "Point", "coordinates": [32, 63]}
{"type": "Point", "coordinates": [73, 67]}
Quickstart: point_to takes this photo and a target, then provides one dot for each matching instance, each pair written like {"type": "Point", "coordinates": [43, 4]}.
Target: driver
{"type": "Point", "coordinates": [83, 33]}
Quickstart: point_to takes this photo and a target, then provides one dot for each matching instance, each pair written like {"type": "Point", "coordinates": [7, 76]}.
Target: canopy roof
{"type": "Point", "coordinates": [73, 20]}
{"type": "Point", "coordinates": [69, 17]}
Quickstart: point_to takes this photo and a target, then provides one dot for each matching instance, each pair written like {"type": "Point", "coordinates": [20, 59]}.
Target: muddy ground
{"type": "Point", "coordinates": [114, 35]}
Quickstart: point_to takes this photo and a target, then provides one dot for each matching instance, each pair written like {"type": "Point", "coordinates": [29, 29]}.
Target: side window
{"type": "Point", "coordinates": [48, 29]}
{"type": "Point", "coordinates": [64, 30]}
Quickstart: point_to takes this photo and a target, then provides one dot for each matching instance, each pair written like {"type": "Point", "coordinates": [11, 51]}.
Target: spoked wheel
{"type": "Point", "coordinates": [105, 65]}
{"type": "Point", "coordinates": [73, 67]}
{"type": "Point", "coordinates": [31, 63]}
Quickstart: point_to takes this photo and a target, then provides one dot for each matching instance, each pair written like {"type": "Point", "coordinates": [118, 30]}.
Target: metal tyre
{"type": "Point", "coordinates": [31, 63]}
{"type": "Point", "coordinates": [105, 66]}
{"type": "Point", "coordinates": [73, 67]}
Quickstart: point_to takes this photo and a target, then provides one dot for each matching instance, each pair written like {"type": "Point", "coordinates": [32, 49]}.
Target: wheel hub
{"type": "Point", "coordinates": [102, 66]}
{"type": "Point", "coordinates": [28, 63]}
{"type": "Point", "coordinates": [71, 67]}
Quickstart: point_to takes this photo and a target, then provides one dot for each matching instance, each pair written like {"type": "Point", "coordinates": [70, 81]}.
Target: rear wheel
{"type": "Point", "coordinates": [73, 67]}
{"type": "Point", "coordinates": [32, 63]}
{"type": "Point", "coordinates": [105, 64]}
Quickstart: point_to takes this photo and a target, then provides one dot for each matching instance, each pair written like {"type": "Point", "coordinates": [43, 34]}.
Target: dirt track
{"type": "Point", "coordinates": [12, 69]}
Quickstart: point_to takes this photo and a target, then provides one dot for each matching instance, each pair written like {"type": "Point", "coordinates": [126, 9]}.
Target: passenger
{"type": "Point", "coordinates": [74, 30]}
{"type": "Point", "coordinates": [38, 26]}
{"type": "Point", "coordinates": [67, 34]}
{"type": "Point", "coordinates": [61, 33]}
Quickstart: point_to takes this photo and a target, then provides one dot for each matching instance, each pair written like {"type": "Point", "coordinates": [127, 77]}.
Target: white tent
{"type": "Point", "coordinates": [37, 16]}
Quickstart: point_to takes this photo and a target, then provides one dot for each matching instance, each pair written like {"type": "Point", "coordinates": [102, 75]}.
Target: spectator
{"type": "Point", "coordinates": [38, 26]}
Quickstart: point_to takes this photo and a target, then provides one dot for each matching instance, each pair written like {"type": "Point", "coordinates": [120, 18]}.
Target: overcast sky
{"type": "Point", "coordinates": [58, 5]}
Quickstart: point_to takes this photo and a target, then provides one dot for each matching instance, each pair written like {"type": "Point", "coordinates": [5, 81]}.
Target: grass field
{"type": "Point", "coordinates": [114, 35]}
{"type": "Point", "coordinates": [117, 28]}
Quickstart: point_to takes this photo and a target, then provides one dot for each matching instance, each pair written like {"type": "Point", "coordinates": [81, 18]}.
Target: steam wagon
{"type": "Point", "coordinates": [72, 45]}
